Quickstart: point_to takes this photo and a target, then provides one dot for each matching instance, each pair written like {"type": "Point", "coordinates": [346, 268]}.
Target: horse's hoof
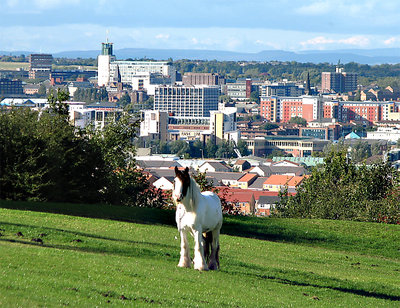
{"type": "Point", "coordinates": [213, 267]}
{"type": "Point", "coordinates": [187, 265]}
{"type": "Point", "coordinates": [201, 268]}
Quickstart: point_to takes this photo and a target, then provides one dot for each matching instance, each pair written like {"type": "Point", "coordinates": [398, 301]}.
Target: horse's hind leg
{"type": "Point", "coordinates": [207, 240]}
{"type": "Point", "coordinates": [213, 264]}
{"type": "Point", "coordinates": [184, 260]}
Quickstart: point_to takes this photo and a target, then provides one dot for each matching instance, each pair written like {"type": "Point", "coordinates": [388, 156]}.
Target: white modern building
{"type": "Point", "coordinates": [149, 82]}
{"type": "Point", "coordinates": [103, 64]}
{"type": "Point", "coordinates": [187, 101]}
{"type": "Point", "coordinates": [107, 65]}
{"type": "Point", "coordinates": [154, 125]}
{"type": "Point", "coordinates": [132, 69]}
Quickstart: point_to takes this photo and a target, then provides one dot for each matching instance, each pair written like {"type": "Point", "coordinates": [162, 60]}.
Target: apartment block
{"type": "Point", "coordinates": [338, 82]}
{"type": "Point", "coordinates": [184, 101]}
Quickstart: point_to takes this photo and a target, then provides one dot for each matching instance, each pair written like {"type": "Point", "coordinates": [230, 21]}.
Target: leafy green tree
{"type": "Point", "coordinates": [211, 149]}
{"type": "Point", "coordinates": [42, 90]}
{"type": "Point", "coordinates": [197, 149]}
{"type": "Point", "coordinates": [242, 147]}
{"type": "Point", "coordinates": [44, 158]}
{"type": "Point", "coordinates": [340, 190]}
{"type": "Point", "coordinates": [57, 101]}
{"type": "Point", "coordinates": [360, 151]}
{"type": "Point", "coordinates": [269, 126]}
{"type": "Point", "coordinates": [125, 100]}
{"type": "Point", "coordinates": [179, 147]}
{"type": "Point", "coordinates": [298, 120]}
{"type": "Point", "coordinates": [255, 97]}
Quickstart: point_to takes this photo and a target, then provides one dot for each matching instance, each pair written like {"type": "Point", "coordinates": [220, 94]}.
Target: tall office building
{"type": "Point", "coordinates": [103, 64]}
{"type": "Point", "coordinates": [339, 81]}
{"type": "Point", "coordinates": [40, 65]}
{"type": "Point", "coordinates": [209, 79]}
{"type": "Point", "coordinates": [183, 101]}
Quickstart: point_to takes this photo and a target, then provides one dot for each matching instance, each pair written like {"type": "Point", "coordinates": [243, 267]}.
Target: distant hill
{"type": "Point", "coordinates": [363, 56]}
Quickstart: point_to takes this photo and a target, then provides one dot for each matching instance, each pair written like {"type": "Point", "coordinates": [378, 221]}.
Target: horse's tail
{"type": "Point", "coordinates": [208, 238]}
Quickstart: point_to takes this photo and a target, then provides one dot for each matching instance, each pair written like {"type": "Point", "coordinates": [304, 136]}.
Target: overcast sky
{"type": "Point", "coordinates": [234, 25]}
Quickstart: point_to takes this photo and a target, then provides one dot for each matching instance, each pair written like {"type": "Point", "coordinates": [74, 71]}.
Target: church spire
{"type": "Point", "coordinates": [307, 89]}
{"type": "Point", "coordinates": [117, 75]}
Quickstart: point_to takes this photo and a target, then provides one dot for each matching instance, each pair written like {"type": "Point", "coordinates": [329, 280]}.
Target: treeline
{"type": "Point", "coordinates": [382, 75]}
{"type": "Point", "coordinates": [44, 158]}
{"type": "Point", "coordinates": [77, 61]}
{"type": "Point", "coordinates": [196, 149]}
{"type": "Point", "coordinates": [91, 95]}
{"type": "Point", "coordinates": [20, 58]}
{"type": "Point", "coordinates": [342, 190]}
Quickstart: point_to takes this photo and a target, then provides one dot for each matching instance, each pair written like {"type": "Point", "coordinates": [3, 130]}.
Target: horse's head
{"type": "Point", "coordinates": [181, 184]}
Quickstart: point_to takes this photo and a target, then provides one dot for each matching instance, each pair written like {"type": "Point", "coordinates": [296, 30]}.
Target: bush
{"type": "Point", "coordinates": [44, 158]}
{"type": "Point", "coordinates": [341, 190]}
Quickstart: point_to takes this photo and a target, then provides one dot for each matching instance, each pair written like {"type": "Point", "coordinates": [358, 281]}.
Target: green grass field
{"type": "Point", "coordinates": [25, 65]}
{"type": "Point", "coordinates": [13, 65]}
{"type": "Point", "coordinates": [52, 256]}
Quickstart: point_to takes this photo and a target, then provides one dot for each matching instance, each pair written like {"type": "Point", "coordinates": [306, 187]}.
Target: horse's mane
{"type": "Point", "coordinates": [194, 193]}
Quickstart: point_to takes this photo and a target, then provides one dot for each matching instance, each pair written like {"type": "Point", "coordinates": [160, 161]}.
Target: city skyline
{"type": "Point", "coordinates": [240, 26]}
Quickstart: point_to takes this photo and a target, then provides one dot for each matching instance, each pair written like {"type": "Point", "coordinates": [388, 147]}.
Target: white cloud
{"type": "Point", "coordinates": [390, 41]}
{"type": "Point", "coordinates": [50, 4]}
{"type": "Point", "coordinates": [358, 40]}
{"type": "Point", "coordinates": [162, 36]}
{"type": "Point", "coordinates": [315, 8]}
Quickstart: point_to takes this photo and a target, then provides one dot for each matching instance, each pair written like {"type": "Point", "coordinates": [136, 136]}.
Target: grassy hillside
{"type": "Point", "coordinates": [13, 65]}
{"type": "Point", "coordinates": [63, 259]}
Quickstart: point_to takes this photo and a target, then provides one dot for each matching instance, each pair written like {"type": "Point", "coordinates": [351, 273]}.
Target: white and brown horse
{"type": "Point", "coordinates": [200, 214]}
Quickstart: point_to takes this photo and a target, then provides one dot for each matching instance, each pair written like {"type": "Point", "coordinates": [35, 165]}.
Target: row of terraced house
{"type": "Point", "coordinates": [251, 188]}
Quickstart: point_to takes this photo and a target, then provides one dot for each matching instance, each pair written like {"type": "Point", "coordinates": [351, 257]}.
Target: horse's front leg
{"type": "Point", "coordinates": [199, 261]}
{"type": "Point", "coordinates": [184, 260]}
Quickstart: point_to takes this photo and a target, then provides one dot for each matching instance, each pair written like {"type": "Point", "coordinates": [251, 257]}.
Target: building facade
{"type": "Point", "coordinates": [40, 65]}
{"type": "Point", "coordinates": [210, 79]}
{"type": "Point", "coordinates": [282, 109]}
{"type": "Point", "coordinates": [10, 86]}
{"type": "Point", "coordinates": [183, 101]}
{"type": "Point", "coordinates": [338, 82]}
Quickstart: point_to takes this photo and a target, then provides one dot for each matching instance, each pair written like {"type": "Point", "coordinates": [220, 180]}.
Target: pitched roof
{"type": "Point", "coordinates": [277, 179]}
{"type": "Point", "coordinates": [229, 193]}
{"type": "Point", "coordinates": [217, 165]}
{"type": "Point", "coordinates": [218, 177]}
{"type": "Point", "coordinates": [288, 170]}
{"type": "Point", "coordinates": [269, 199]}
{"type": "Point", "coordinates": [158, 163]}
{"type": "Point", "coordinates": [285, 162]}
{"type": "Point", "coordinates": [248, 177]}
{"type": "Point", "coordinates": [258, 183]}
{"type": "Point", "coordinates": [241, 162]}
{"type": "Point", "coordinates": [295, 181]}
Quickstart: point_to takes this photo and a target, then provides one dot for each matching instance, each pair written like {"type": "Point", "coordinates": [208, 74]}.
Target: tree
{"type": "Point", "coordinates": [42, 90]}
{"type": "Point", "coordinates": [255, 97]}
{"type": "Point", "coordinates": [211, 149]}
{"type": "Point", "coordinates": [179, 147]}
{"type": "Point", "coordinates": [125, 100]}
{"type": "Point", "coordinates": [299, 121]}
{"type": "Point", "coordinates": [44, 158]}
{"type": "Point", "coordinates": [57, 102]}
{"type": "Point", "coordinates": [269, 126]}
{"type": "Point", "coordinates": [340, 190]}
{"type": "Point", "coordinates": [242, 147]}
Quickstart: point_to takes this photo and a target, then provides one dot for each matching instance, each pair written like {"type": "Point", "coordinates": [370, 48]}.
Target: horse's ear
{"type": "Point", "coordinates": [187, 170]}
{"type": "Point", "coordinates": [176, 170]}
